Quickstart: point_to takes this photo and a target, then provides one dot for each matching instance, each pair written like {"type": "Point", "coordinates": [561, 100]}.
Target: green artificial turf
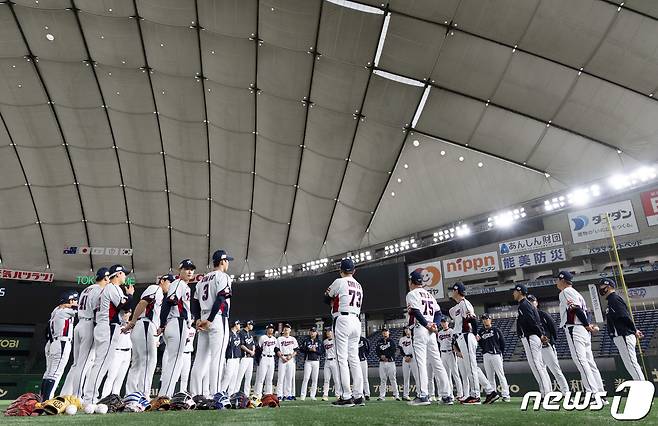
{"type": "Point", "coordinates": [320, 413]}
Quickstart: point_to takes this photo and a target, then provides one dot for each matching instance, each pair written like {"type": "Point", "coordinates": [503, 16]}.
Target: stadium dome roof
{"type": "Point", "coordinates": [280, 129]}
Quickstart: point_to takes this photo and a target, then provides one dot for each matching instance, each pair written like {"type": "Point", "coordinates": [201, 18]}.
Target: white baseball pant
{"type": "Point", "coordinates": [549, 355]}
{"type": "Point", "coordinates": [144, 357]}
{"type": "Point", "coordinates": [311, 371]}
{"type": "Point", "coordinates": [347, 333]}
{"type": "Point", "coordinates": [116, 373]}
{"type": "Point", "coordinates": [626, 347]}
{"type": "Point", "coordinates": [450, 363]}
{"type": "Point", "coordinates": [83, 357]}
{"type": "Point", "coordinates": [231, 370]}
{"type": "Point", "coordinates": [364, 374]}
{"type": "Point", "coordinates": [482, 379]}
{"type": "Point", "coordinates": [426, 349]}
{"type": "Point", "coordinates": [408, 369]}
{"type": "Point", "coordinates": [285, 378]}
{"type": "Point", "coordinates": [264, 375]}
{"type": "Point", "coordinates": [175, 334]}
{"type": "Point", "coordinates": [104, 345]}
{"type": "Point", "coordinates": [185, 371]}
{"type": "Point", "coordinates": [387, 373]}
{"type": "Point", "coordinates": [210, 355]}
{"type": "Point", "coordinates": [493, 366]}
{"type": "Point", "coordinates": [246, 370]}
{"type": "Point", "coordinates": [58, 353]}
{"type": "Point", "coordinates": [532, 347]}
{"type": "Point", "coordinates": [331, 372]}
{"type": "Point", "coordinates": [580, 346]}
{"type": "Point", "coordinates": [467, 346]}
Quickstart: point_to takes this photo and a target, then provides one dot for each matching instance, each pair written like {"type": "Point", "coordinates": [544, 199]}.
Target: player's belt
{"type": "Point", "coordinates": [123, 349]}
{"type": "Point", "coordinates": [186, 352]}
{"type": "Point", "coordinates": [348, 313]}
{"type": "Point", "coordinates": [269, 356]}
{"type": "Point", "coordinates": [442, 350]}
{"type": "Point", "coordinates": [62, 339]}
{"type": "Point", "coordinates": [330, 359]}
{"type": "Point", "coordinates": [85, 319]}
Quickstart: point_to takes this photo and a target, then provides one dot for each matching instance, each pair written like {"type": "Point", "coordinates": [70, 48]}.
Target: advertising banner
{"type": "Point", "coordinates": [471, 265]}
{"type": "Point", "coordinates": [650, 206]}
{"type": "Point", "coordinates": [542, 257]}
{"type": "Point", "coordinates": [531, 243]}
{"type": "Point", "coordinates": [10, 274]}
{"type": "Point", "coordinates": [591, 224]}
{"type": "Point", "coordinates": [432, 276]}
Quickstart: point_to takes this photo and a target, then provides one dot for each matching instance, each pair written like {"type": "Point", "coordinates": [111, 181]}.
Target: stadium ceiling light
{"type": "Point", "coordinates": [382, 38]}
{"type": "Point", "coordinates": [507, 218]}
{"type": "Point", "coordinates": [641, 175]}
{"type": "Point", "coordinates": [416, 143]}
{"type": "Point", "coordinates": [399, 78]}
{"type": "Point", "coordinates": [421, 106]}
{"type": "Point", "coordinates": [462, 230]}
{"type": "Point", "coordinates": [357, 6]}
{"type": "Point", "coordinates": [50, 37]}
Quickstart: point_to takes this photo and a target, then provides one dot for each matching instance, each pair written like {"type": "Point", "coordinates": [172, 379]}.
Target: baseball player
{"type": "Point", "coordinates": [482, 379]}
{"type": "Point", "coordinates": [531, 332]}
{"type": "Point", "coordinates": [445, 337]}
{"type": "Point", "coordinates": [573, 318]}
{"type": "Point", "coordinates": [312, 350]}
{"type": "Point", "coordinates": [364, 350]}
{"type": "Point", "coordinates": [187, 360]}
{"type": "Point", "coordinates": [465, 325]}
{"type": "Point", "coordinates": [286, 350]}
{"type": "Point", "coordinates": [211, 304]}
{"type": "Point", "coordinates": [424, 314]}
{"type": "Point", "coordinates": [265, 372]}
{"type": "Point", "coordinates": [409, 366]}
{"type": "Point", "coordinates": [60, 333]}
{"type": "Point", "coordinates": [113, 300]}
{"type": "Point", "coordinates": [621, 327]}
{"type": "Point", "coordinates": [492, 343]}
{"type": "Point", "coordinates": [548, 352]}
{"type": "Point", "coordinates": [247, 360]}
{"type": "Point", "coordinates": [233, 355]}
{"type": "Point", "coordinates": [385, 349]}
{"type": "Point", "coordinates": [330, 365]}
{"type": "Point", "coordinates": [145, 320]}
{"type": "Point", "coordinates": [345, 297]}
{"type": "Point", "coordinates": [83, 335]}
{"type": "Point", "coordinates": [174, 316]}
{"type": "Point", "coordinates": [116, 374]}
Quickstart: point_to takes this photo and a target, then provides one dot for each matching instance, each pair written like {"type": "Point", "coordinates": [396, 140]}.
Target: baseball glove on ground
{"type": "Point", "coordinates": [161, 403]}
{"type": "Point", "coordinates": [113, 402]}
{"type": "Point", "coordinates": [52, 407]}
{"type": "Point", "coordinates": [270, 400]}
{"type": "Point", "coordinates": [203, 403]}
{"type": "Point", "coordinates": [70, 400]}
{"type": "Point", "coordinates": [182, 401]}
{"type": "Point", "coordinates": [24, 405]}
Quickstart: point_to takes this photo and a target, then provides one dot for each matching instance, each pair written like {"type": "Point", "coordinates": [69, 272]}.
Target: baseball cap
{"type": "Point", "coordinates": [522, 288]}
{"type": "Point", "coordinates": [385, 329]}
{"type": "Point", "coordinates": [416, 277]}
{"type": "Point", "coordinates": [115, 269]}
{"type": "Point", "coordinates": [270, 326]}
{"type": "Point", "coordinates": [250, 322]}
{"type": "Point", "coordinates": [67, 296]}
{"type": "Point", "coordinates": [347, 265]}
{"type": "Point", "coordinates": [485, 316]}
{"type": "Point", "coordinates": [102, 273]}
{"type": "Point", "coordinates": [459, 287]}
{"type": "Point", "coordinates": [444, 319]}
{"type": "Point", "coordinates": [608, 282]}
{"type": "Point", "coordinates": [531, 298]}
{"type": "Point", "coordinates": [236, 322]}
{"type": "Point", "coordinates": [168, 277]}
{"type": "Point", "coordinates": [565, 275]}
{"type": "Point", "coordinates": [186, 264]}
{"type": "Point", "coordinates": [328, 328]}
{"type": "Point", "coordinates": [221, 255]}
{"type": "Point", "coordinates": [313, 329]}
{"type": "Point", "coordinates": [286, 325]}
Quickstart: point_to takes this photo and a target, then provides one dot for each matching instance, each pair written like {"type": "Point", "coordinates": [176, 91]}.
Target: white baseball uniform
{"type": "Point", "coordinates": [83, 341]}
{"type": "Point", "coordinates": [232, 367]}
{"type": "Point", "coordinates": [286, 347]}
{"type": "Point", "coordinates": [175, 334]}
{"type": "Point", "coordinates": [445, 338]}
{"type": "Point", "coordinates": [246, 362]}
{"type": "Point", "coordinates": [59, 350]}
{"type": "Point", "coordinates": [482, 379]}
{"type": "Point", "coordinates": [107, 324]}
{"type": "Point", "coordinates": [347, 299]}
{"type": "Point", "coordinates": [145, 343]}
{"type": "Point", "coordinates": [120, 363]}
{"type": "Point", "coordinates": [549, 355]}
{"type": "Point", "coordinates": [579, 340]}
{"type": "Point", "coordinates": [425, 344]}
{"type": "Point", "coordinates": [265, 371]}
{"type": "Point", "coordinates": [408, 368]}
{"type": "Point", "coordinates": [212, 292]}
{"type": "Point", "coordinates": [364, 349]}
{"type": "Point", "coordinates": [467, 343]}
{"type": "Point", "coordinates": [187, 360]}
{"type": "Point", "coordinates": [330, 368]}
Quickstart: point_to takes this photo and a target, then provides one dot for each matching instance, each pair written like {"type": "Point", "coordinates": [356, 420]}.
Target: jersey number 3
{"type": "Point", "coordinates": [205, 292]}
{"type": "Point", "coordinates": [357, 296]}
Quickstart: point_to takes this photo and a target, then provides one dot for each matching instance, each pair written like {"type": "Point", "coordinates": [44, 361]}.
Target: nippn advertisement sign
{"type": "Point", "coordinates": [471, 265]}
{"type": "Point", "coordinates": [432, 277]}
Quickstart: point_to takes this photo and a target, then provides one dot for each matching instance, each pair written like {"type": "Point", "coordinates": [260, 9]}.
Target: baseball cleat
{"type": "Point", "coordinates": [471, 400]}
{"type": "Point", "coordinates": [447, 400]}
{"type": "Point", "coordinates": [367, 397]}
{"type": "Point", "coordinates": [381, 398]}
{"type": "Point", "coordinates": [433, 398]}
{"type": "Point", "coordinates": [492, 397]}
{"type": "Point", "coordinates": [507, 399]}
{"type": "Point", "coordinates": [406, 398]}
{"type": "Point", "coordinates": [359, 401]}
{"type": "Point", "coordinates": [324, 398]}
{"type": "Point", "coordinates": [343, 403]}
{"type": "Point", "coordinates": [420, 401]}
{"type": "Point", "coordinates": [313, 398]}
{"type": "Point", "coordinates": [302, 398]}
{"type": "Point", "coordinates": [397, 398]}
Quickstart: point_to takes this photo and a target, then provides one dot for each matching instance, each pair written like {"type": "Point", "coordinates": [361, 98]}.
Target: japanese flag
{"type": "Point", "coordinates": [126, 252]}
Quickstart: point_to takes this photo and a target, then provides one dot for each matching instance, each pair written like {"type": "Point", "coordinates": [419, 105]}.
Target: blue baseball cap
{"type": "Point", "coordinates": [459, 286]}
{"type": "Point", "coordinates": [416, 277]}
{"type": "Point", "coordinates": [102, 273]}
{"type": "Point", "coordinates": [168, 277]}
{"type": "Point", "coordinates": [186, 264]}
{"type": "Point", "coordinates": [270, 325]}
{"type": "Point", "coordinates": [608, 281]}
{"type": "Point", "coordinates": [115, 269]}
{"type": "Point", "coordinates": [565, 275]}
{"type": "Point", "coordinates": [67, 296]}
{"type": "Point", "coordinates": [221, 255]}
{"type": "Point", "coordinates": [521, 288]}
{"type": "Point", "coordinates": [347, 265]}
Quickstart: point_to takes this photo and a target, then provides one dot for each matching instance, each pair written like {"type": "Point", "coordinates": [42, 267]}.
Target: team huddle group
{"type": "Point", "coordinates": [112, 341]}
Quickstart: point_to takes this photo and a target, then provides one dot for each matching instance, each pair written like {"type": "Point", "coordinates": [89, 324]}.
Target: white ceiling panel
{"type": "Point", "coordinates": [338, 85]}
{"type": "Point", "coordinates": [168, 12]}
{"type": "Point", "coordinates": [236, 18]}
{"type": "Point", "coordinates": [228, 60]}
{"type": "Point", "coordinates": [503, 20]}
{"type": "Point", "coordinates": [112, 41]}
{"type": "Point", "coordinates": [171, 50]}
{"type": "Point", "coordinates": [291, 24]}
{"type": "Point", "coordinates": [450, 116]}
{"type": "Point", "coordinates": [435, 11]}
{"type": "Point", "coordinates": [106, 7]}
{"type": "Point", "coordinates": [284, 73]}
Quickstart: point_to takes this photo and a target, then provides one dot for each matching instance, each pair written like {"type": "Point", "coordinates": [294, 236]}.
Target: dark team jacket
{"type": "Point", "coordinates": [491, 340]}
{"type": "Point", "coordinates": [364, 348]}
{"type": "Point", "coordinates": [550, 328]}
{"type": "Point", "coordinates": [306, 346]}
{"type": "Point", "coordinates": [247, 339]}
{"type": "Point", "coordinates": [528, 321]}
{"type": "Point", "coordinates": [618, 318]}
{"type": "Point", "coordinates": [387, 348]}
{"type": "Point", "coordinates": [233, 348]}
